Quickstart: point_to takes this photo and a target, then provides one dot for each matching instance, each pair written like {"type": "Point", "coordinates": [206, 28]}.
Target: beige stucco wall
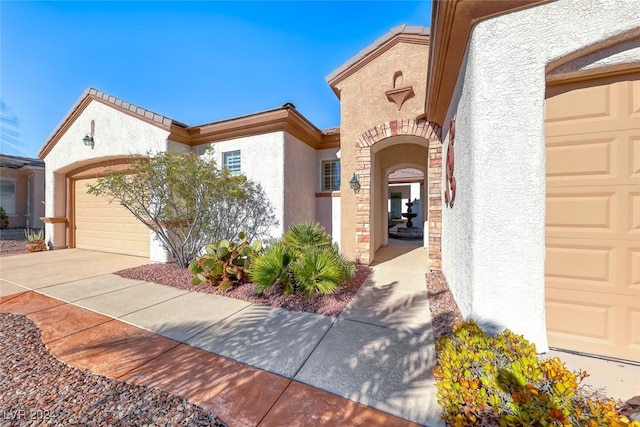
{"type": "Point", "coordinates": [364, 105]}
{"type": "Point", "coordinates": [327, 208]}
{"type": "Point", "coordinates": [300, 181]}
{"type": "Point", "coordinates": [261, 160]}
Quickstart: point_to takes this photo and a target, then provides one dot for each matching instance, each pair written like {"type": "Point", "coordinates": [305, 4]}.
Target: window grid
{"type": "Point", "coordinates": [231, 162]}
{"type": "Point", "coordinates": [331, 175]}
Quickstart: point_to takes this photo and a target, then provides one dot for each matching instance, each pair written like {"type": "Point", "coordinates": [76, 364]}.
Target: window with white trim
{"type": "Point", "coordinates": [231, 161]}
{"type": "Point", "coordinates": [8, 196]}
{"type": "Point", "coordinates": [330, 175]}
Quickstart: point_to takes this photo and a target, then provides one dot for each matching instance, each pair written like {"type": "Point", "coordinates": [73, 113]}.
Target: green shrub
{"type": "Point", "coordinates": [500, 381]}
{"type": "Point", "coordinates": [320, 270]}
{"type": "Point", "coordinates": [305, 235]}
{"type": "Point", "coordinates": [272, 269]}
{"type": "Point", "coordinates": [4, 219]}
{"type": "Point", "coordinates": [304, 262]}
{"type": "Point", "coordinates": [225, 263]}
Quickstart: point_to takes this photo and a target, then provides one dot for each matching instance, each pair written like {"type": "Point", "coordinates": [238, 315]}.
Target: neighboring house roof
{"type": "Point", "coordinates": [401, 33]}
{"type": "Point", "coordinates": [17, 162]}
{"type": "Point", "coordinates": [285, 118]}
{"type": "Point", "coordinates": [406, 175]}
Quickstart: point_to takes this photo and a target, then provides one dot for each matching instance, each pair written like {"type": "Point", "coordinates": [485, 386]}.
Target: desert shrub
{"type": "Point", "coordinates": [303, 262]}
{"type": "Point", "coordinates": [4, 219]}
{"type": "Point", "coordinates": [188, 201]}
{"type": "Point", "coordinates": [500, 381]}
{"type": "Point", "coordinates": [225, 263]}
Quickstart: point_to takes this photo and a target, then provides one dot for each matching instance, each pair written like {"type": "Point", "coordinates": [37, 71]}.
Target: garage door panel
{"type": "Point", "coordinates": [634, 157]}
{"type": "Point", "coordinates": [585, 108]}
{"type": "Point", "coordinates": [592, 269]}
{"type": "Point", "coordinates": [583, 209]}
{"type": "Point", "coordinates": [570, 158]}
{"type": "Point", "coordinates": [581, 106]}
{"type": "Point", "coordinates": [633, 206]}
{"type": "Point", "coordinates": [579, 160]}
{"type": "Point", "coordinates": [633, 269]}
{"type": "Point", "coordinates": [634, 98]}
{"type": "Point", "coordinates": [633, 337]}
{"type": "Point", "coordinates": [105, 225]}
{"type": "Point", "coordinates": [593, 212]}
{"type": "Point", "coordinates": [589, 316]}
{"type": "Point", "coordinates": [590, 322]}
{"type": "Point", "coordinates": [588, 265]}
{"type": "Point", "coordinates": [595, 265]}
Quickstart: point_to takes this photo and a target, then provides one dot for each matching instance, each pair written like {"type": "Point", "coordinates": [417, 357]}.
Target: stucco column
{"type": "Point", "coordinates": [55, 210]}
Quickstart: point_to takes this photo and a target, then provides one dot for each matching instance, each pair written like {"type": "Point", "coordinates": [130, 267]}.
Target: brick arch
{"type": "Point", "coordinates": [411, 127]}
{"type": "Point", "coordinates": [402, 127]}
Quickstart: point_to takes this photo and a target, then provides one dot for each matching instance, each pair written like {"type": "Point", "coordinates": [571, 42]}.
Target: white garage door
{"type": "Point", "coordinates": [593, 216]}
{"type": "Point", "coordinates": [107, 227]}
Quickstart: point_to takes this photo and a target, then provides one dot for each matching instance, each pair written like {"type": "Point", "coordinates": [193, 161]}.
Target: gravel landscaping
{"type": "Point", "coordinates": [328, 305]}
{"type": "Point", "coordinates": [12, 241]}
{"type": "Point", "coordinates": [38, 389]}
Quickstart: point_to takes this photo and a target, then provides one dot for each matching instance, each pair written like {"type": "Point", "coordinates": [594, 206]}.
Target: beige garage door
{"type": "Point", "coordinates": [108, 227]}
{"type": "Point", "coordinates": [593, 216]}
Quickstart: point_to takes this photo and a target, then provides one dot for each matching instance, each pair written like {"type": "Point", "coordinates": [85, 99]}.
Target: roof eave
{"type": "Point", "coordinates": [452, 22]}
{"type": "Point", "coordinates": [399, 34]}
{"type": "Point", "coordinates": [92, 94]}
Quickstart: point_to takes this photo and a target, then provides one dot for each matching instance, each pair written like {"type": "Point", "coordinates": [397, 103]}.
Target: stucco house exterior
{"type": "Point", "coordinates": [521, 121]}
{"type": "Point", "coordinates": [305, 171]}
{"type": "Point", "coordinates": [22, 190]}
{"type": "Point", "coordinates": [278, 148]}
{"type": "Point", "coordinates": [544, 234]}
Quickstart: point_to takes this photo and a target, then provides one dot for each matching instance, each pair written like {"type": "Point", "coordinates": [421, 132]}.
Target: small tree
{"type": "Point", "coordinates": [188, 201]}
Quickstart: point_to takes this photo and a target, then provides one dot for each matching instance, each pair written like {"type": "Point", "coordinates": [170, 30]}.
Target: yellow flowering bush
{"type": "Point", "coordinates": [500, 381]}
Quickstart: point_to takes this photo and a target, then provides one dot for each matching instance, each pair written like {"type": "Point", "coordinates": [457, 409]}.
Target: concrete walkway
{"type": "Point", "coordinates": [374, 360]}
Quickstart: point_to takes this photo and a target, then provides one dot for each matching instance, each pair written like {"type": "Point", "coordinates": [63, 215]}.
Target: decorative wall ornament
{"type": "Point", "coordinates": [450, 181]}
{"type": "Point", "coordinates": [399, 94]}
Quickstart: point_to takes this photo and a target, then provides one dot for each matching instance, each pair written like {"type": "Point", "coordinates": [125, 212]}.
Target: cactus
{"type": "Point", "coordinates": [225, 263]}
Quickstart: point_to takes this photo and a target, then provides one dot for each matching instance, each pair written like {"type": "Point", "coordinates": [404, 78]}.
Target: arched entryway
{"type": "Point", "coordinates": [406, 202]}
{"type": "Point", "coordinates": [379, 151]}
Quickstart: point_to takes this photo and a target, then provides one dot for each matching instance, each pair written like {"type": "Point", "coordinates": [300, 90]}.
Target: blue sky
{"type": "Point", "coordinates": [195, 62]}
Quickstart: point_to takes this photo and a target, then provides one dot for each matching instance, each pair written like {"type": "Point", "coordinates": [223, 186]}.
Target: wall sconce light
{"type": "Point", "coordinates": [88, 141]}
{"type": "Point", "coordinates": [354, 183]}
